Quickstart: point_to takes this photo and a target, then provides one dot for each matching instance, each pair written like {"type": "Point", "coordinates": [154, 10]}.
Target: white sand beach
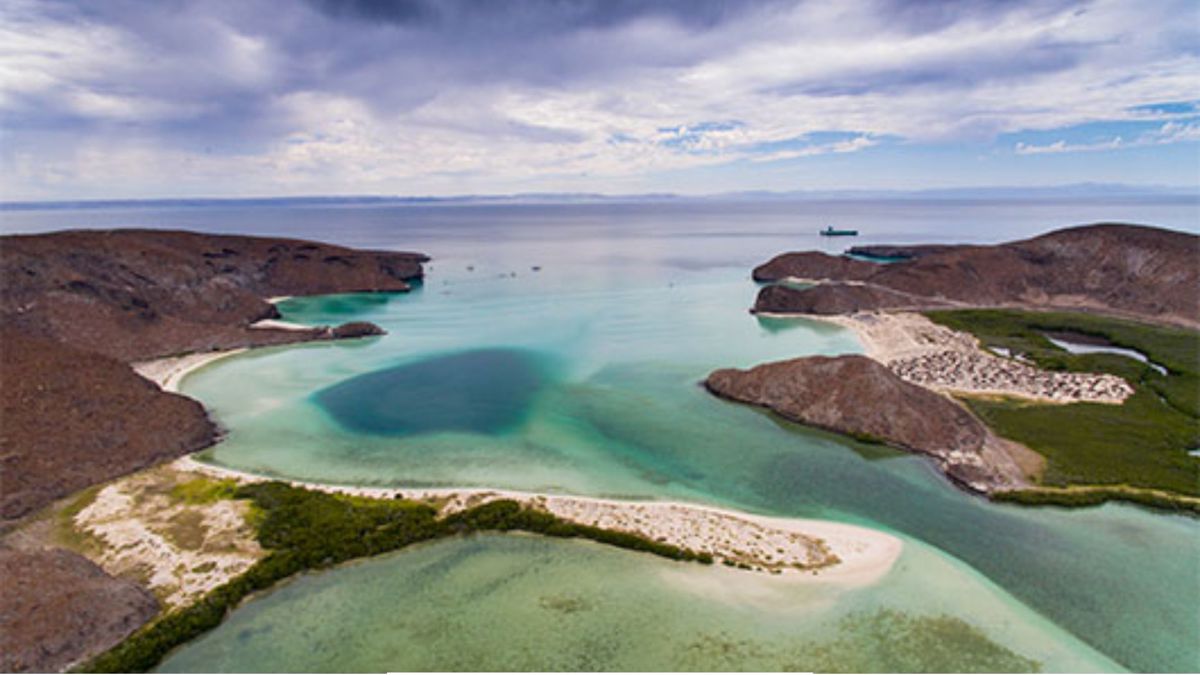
{"type": "Point", "coordinates": [276, 324]}
{"type": "Point", "coordinates": [169, 372]}
{"type": "Point", "coordinates": [925, 353]}
{"type": "Point", "coordinates": [797, 548]}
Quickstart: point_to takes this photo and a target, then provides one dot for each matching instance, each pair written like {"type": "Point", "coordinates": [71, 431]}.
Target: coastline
{"type": "Point", "coordinates": [791, 548]}
{"type": "Point", "coordinates": [954, 363]}
{"type": "Point", "coordinates": [796, 548]}
{"type": "Point", "coordinates": [169, 372]}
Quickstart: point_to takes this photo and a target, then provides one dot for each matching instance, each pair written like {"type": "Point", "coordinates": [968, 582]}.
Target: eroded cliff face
{"type": "Point", "coordinates": [59, 608]}
{"type": "Point", "coordinates": [1128, 270]}
{"type": "Point", "coordinates": [141, 294]}
{"type": "Point", "coordinates": [859, 397]}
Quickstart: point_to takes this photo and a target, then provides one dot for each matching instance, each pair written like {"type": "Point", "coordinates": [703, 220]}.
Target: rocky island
{"type": "Point", "coordinates": [963, 365]}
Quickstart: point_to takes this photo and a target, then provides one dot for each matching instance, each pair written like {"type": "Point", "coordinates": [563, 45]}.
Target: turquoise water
{"type": "Point", "coordinates": [525, 603]}
{"type": "Point", "coordinates": [602, 350]}
{"type": "Point", "coordinates": [617, 410]}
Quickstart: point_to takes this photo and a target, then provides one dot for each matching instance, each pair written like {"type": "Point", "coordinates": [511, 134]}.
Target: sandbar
{"type": "Point", "coordinates": [794, 548]}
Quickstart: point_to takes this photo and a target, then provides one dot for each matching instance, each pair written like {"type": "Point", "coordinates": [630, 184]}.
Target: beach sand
{"type": "Point", "coordinates": [276, 324]}
{"type": "Point", "coordinates": [790, 547]}
{"type": "Point", "coordinates": [934, 356]}
{"type": "Point", "coordinates": [169, 372]}
{"type": "Point", "coordinates": [179, 550]}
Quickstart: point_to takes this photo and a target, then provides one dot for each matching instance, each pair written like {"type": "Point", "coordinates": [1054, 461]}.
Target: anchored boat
{"type": "Point", "coordinates": [830, 232]}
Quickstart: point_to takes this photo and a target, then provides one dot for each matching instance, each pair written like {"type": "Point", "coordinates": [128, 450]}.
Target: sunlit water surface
{"type": "Point", "coordinates": [582, 376]}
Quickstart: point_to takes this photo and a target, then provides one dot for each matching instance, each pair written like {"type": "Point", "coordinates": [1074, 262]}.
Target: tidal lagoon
{"type": "Point", "coordinates": [560, 349]}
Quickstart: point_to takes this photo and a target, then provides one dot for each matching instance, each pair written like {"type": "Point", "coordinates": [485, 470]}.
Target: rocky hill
{"type": "Point", "coordinates": [1128, 270]}
{"type": "Point", "coordinates": [58, 608]}
{"type": "Point", "coordinates": [829, 393]}
{"type": "Point", "coordinates": [72, 418]}
{"type": "Point", "coordinates": [76, 308]}
{"type": "Point", "coordinates": [140, 294]}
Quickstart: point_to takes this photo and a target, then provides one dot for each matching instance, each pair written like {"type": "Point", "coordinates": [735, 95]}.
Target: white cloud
{"type": "Point", "coordinates": [299, 100]}
{"type": "Point", "coordinates": [1171, 132]}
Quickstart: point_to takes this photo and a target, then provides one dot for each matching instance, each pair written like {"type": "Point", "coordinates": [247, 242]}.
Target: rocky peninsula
{"type": "Point", "coordinates": [859, 397]}
{"type": "Point", "coordinates": [78, 308]}
{"type": "Point", "coordinates": [1130, 271]}
{"type": "Point", "coordinates": [936, 388]}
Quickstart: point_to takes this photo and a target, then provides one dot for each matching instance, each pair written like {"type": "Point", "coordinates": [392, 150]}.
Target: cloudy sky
{"type": "Point", "coordinates": [127, 99]}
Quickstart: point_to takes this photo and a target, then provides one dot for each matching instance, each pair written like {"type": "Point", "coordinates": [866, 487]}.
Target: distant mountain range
{"type": "Point", "coordinates": [1071, 191]}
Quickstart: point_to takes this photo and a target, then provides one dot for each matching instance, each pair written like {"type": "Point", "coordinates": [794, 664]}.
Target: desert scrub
{"type": "Point", "coordinates": [306, 530]}
{"type": "Point", "coordinates": [1094, 496]}
{"type": "Point", "coordinates": [67, 533]}
{"type": "Point", "coordinates": [1134, 451]}
{"type": "Point", "coordinates": [204, 490]}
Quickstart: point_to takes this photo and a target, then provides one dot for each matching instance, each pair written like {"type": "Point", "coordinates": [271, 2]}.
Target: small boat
{"type": "Point", "coordinates": [830, 232]}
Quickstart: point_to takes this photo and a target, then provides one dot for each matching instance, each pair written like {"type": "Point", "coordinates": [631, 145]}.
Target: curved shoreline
{"type": "Point", "coordinates": [169, 372]}
{"type": "Point", "coordinates": [828, 550]}
{"type": "Point", "coordinates": [795, 548]}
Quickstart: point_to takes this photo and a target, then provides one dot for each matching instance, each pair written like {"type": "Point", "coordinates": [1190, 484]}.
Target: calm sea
{"type": "Point", "coordinates": [558, 348]}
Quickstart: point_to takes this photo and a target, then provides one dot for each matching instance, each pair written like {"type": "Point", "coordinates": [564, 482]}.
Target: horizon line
{"type": "Point", "coordinates": [1088, 189]}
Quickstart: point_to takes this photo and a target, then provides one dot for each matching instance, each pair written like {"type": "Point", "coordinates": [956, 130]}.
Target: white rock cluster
{"type": "Point", "coordinates": [974, 371]}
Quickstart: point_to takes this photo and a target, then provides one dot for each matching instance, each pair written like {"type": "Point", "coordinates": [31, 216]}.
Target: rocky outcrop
{"type": "Point", "coordinates": [72, 418]}
{"type": "Point", "coordinates": [141, 294]}
{"type": "Point", "coordinates": [813, 266]}
{"type": "Point", "coordinates": [355, 329]}
{"type": "Point", "coordinates": [59, 608]}
{"type": "Point", "coordinates": [859, 397]}
{"type": "Point", "coordinates": [837, 298]}
{"type": "Point", "coordinates": [1125, 270]}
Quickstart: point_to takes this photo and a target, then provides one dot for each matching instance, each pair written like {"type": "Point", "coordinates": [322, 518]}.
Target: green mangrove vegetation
{"type": "Point", "coordinates": [308, 530]}
{"type": "Point", "coordinates": [1137, 451]}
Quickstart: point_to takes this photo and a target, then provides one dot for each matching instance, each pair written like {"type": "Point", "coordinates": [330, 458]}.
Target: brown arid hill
{"type": "Point", "coordinates": [141, 294]}
{"type": "Point", "coordinates": [59, 608]}
{"type": "Point", "coordinates": [828, 393]}
{"type": "Point", "coordinates": [1132, 271]}
{"type": "Point", "coordinates": [76, 308]}
{"type": "Point", "coordinates": [70, 418]}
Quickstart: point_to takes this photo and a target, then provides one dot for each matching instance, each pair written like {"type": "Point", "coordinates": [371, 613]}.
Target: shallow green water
{"type": "Point", "coordinates": [524, 603]}
{"type": "Point", "coordinates": [614, 407]}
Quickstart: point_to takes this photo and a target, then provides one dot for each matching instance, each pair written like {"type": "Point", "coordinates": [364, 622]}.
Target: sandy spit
{"type": "Point", "coordinates": [794, 548]}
